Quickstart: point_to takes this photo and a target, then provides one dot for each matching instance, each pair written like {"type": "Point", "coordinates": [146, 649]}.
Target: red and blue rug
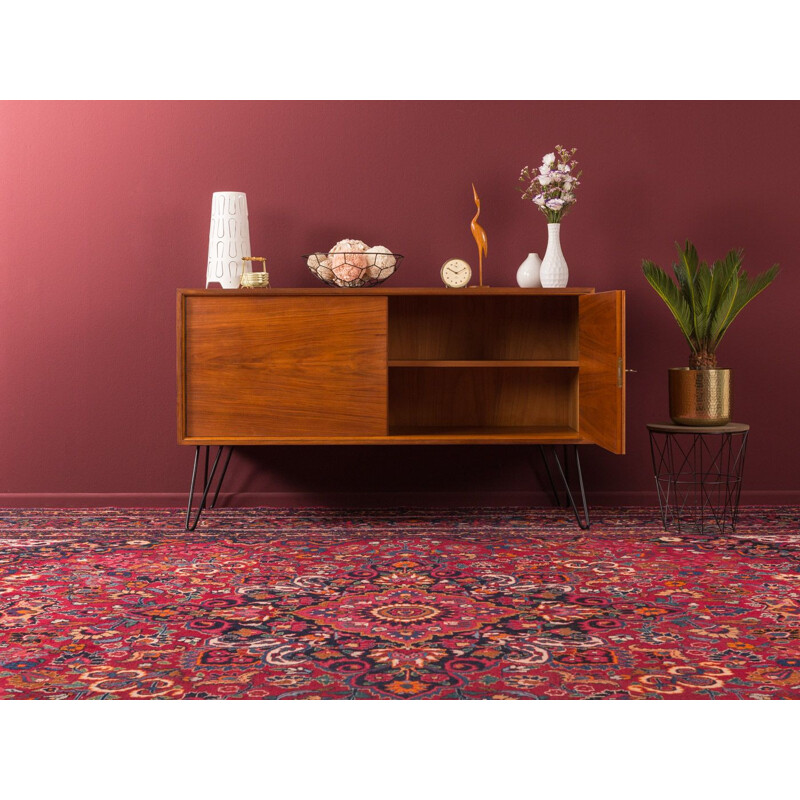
{"type": "Point", "coordinates": [462, 604]}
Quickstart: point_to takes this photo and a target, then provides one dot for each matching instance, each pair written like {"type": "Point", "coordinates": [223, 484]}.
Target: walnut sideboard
{"type": "Point", "coordinates": [400, 366]}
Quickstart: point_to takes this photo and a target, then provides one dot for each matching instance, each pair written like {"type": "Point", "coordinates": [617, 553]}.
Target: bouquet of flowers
{"type": "Point", "coordinates": [553, 187]}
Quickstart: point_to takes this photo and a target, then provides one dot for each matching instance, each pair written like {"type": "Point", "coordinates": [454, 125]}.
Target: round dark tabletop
{"type": "Point", "coordinates": [669, 427]}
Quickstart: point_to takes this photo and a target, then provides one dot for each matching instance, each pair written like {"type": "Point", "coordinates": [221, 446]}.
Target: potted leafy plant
{"type": "Point", "coordinates": [704, 301]}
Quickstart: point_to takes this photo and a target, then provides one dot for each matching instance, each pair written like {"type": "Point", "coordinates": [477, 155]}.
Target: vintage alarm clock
{"type": "Point", "coordinates": [456, 273]}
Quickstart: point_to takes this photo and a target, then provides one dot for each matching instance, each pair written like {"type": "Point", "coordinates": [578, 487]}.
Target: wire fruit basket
{"type": "Point", "coordinates": [254, 280]}
{"type": "Point", "coordinates": [353, 270]}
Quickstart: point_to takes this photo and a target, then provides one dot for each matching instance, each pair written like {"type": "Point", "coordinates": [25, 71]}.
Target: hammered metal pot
{"type": "Point", "coordinates": [700, 397]}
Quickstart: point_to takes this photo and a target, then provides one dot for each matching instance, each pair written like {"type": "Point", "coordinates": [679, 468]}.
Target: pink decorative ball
{"type": "Point", "coordinates": [346, 260]}
{"type": "Point", "coordinates": [344, 271]}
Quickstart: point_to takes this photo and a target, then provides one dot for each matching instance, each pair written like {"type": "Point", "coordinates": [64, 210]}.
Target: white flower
{"type": "Point", "coordinates": [544, 170]}
{"type": "Point", "coordinates": [568, 198]}
{"type": "Point", "coordinates": [567, 183]}
{"type": "Point", "coordinates": [555, 205]}
{"type": "Point", "coordinates": [557, 176]}
{"type": "Point", "coordinates": [564, 167]}
{"type": "Point", "coordinates": [545, 180]}
{"type": "Point", "coordinates": [539, 200]}
{"type": "Point", "coordinates": [549, 159]}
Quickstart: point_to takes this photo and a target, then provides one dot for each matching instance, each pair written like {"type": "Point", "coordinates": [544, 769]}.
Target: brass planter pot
{"type": "Point", "coordinates": [700, 397]}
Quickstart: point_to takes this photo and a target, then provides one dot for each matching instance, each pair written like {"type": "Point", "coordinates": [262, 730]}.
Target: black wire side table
{"type": "Point", "coordinates": [698, 472]}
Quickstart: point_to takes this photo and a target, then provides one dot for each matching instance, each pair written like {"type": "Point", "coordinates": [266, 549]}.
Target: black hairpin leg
{"type": "Point", "coordinates": [550, 477]}
{"type": "Point", "coordinates": [208, 479]}
{"type": "Point", "coordinates": [564, 473]}
{"type": "Point", "coordinates": [222, 476]}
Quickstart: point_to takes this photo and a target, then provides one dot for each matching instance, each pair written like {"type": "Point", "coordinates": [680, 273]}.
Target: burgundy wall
{"type": "Point", "coordinates": [105, 209]}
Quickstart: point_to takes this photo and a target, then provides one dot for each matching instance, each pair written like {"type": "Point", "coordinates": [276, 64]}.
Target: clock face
{"type": "Point", "coordinates": [456, 273]}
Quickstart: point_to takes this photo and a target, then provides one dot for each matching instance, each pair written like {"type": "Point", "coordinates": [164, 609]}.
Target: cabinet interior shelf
{"type": "Point", "coordinates": [425, 362]}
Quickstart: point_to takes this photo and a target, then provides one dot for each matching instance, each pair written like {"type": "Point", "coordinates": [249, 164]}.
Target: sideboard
{"type": "Point", "coordinates": [399, 366]}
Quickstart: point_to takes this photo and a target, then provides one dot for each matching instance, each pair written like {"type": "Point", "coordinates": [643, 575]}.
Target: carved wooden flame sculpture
{"type": "Point", "coordinates": [479, 234]}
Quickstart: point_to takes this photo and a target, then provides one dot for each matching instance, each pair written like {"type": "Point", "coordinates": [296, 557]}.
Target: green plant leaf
{"type": "Point", "coordinates": [672, 297]}
{"type": "Point", "coordinates": [706, 299]}
{"type": "Point", "coordinates": [703, 280]}
{"type": "Point", "coordinates": [747, 291]}
{"type": "Point", "coordinates": [725, 271]}
{"type": "Point", "coordinates": [687, 270]}
{"type": "Point", "coordinates": [723, 317]}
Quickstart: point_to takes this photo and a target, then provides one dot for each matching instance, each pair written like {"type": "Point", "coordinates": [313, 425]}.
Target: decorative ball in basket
{"type": "Point", "coordinates": [351, 264]}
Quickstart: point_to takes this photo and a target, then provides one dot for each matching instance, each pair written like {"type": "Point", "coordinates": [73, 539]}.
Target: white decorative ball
{"type": "Point", "coordinates": [316, 260]}
{"type": "Point", "coordinates": [381, 257]}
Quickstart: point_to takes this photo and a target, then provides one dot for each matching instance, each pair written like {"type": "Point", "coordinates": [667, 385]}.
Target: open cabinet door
{"type": "Point", "coordinates": [601, 373]}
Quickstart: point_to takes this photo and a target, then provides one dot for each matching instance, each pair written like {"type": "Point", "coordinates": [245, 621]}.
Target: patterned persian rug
{"type": "Point", "coordinates": [471, 603]}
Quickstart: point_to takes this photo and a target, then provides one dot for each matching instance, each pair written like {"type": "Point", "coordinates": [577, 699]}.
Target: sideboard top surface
{"type": "Point", "coordinates": [379, 290]}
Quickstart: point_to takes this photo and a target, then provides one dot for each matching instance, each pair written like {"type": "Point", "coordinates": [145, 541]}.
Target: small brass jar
{"type": "Point", "coordinates": [700, 396]}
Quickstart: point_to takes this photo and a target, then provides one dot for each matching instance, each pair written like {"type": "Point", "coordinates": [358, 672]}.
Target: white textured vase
{"type": "Point", "coordinates": [228, 239]}
{"type": "Point", "coordinates": [528, 272]}
{"type": "Point", "coordinates": [554, 273]}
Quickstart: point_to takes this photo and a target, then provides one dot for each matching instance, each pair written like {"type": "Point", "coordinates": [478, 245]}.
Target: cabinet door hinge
{"type": "Point", "coordinates": [619, 372]}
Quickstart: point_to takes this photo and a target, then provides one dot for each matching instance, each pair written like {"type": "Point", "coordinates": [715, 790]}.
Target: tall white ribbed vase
{"type": "Point", "coordinates": [228, 239]}
{"type": "Point", "coordinates": [554, 273]}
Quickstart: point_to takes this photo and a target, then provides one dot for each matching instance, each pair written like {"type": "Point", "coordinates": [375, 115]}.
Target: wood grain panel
{"type": "Point", "coordinates": [602, 369]}
{"type": "Point", "coordinates": [472, 327]}
{"type": "Point", "coordinates": [471, 397]}
{"type": "Point", "coordinates": [263, 365]}
{"type": "Point", "coordinates": [448, 434]}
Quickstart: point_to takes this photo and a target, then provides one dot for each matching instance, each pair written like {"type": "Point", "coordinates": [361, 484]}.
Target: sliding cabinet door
{"type": "Point", "coordinates": [282, 366]}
